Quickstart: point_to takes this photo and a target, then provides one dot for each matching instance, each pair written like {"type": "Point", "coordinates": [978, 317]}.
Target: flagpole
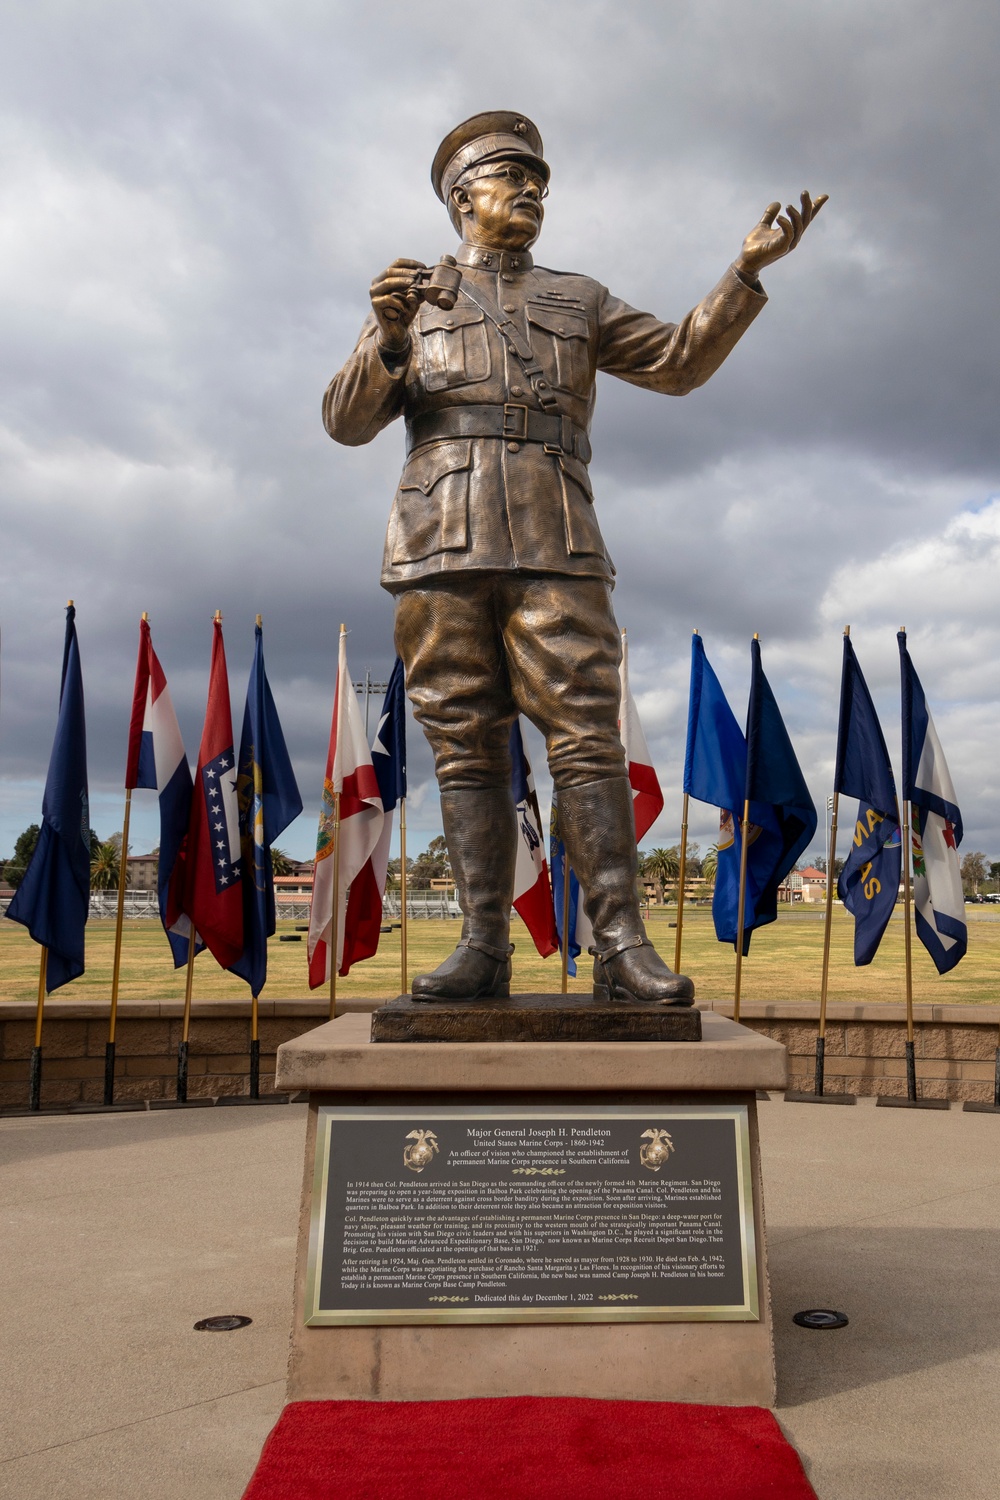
{"type": "Point", "coordinates": [827, 929]}
{"type": "Point", "coordinates": [35, 1077]}
{"type": "Point", "coordinates": [109, 1050]}
{"type": "Point", "coordinates": [745, 824]}
{"type": "Point", "coordinates": [567, 876]}
{"type": "Point", "coordinates": [402, 894]}
{"type": "Point", "coordinates": [681, 877]}
{"type": "Point", "coordinates": [911, 1064]}
{"type": "Point", "coordinates": [254, 1050]}
{"type": "Point", "coordinates": [334, 936]}
{"type": "Point", "coordinates": [182, 1046]}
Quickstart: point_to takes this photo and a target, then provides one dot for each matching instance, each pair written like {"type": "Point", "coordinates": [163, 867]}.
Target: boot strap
{"type": "Point", "coordinates": [603, 954]}
{"type": "Point", "coordinates": [500, 954]}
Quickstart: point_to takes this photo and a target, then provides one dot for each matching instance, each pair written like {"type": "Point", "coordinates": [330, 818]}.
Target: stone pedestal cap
{"type": "Point", "coordinates": [496, 132]}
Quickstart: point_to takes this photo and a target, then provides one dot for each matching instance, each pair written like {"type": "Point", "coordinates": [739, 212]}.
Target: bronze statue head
{"type": "Point", "coordinates": [491, 174]}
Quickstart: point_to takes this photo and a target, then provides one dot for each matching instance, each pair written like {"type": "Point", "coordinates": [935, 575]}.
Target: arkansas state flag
{"type": "Point", "coordinates": [647, 799]}
{"type": "Point", "coordinates": [212, 886]}
{"type": "Point", "coordinates": [363, 919]}
{"type": "Point", "coordinates": [350, 773]}
{"type": "Point", "coordinates": [532, 892]}
{"type": "Point", "coordinates": [156, 760]}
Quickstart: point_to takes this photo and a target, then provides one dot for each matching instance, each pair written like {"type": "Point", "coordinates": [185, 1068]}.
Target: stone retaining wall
{"type": "Point", "coordinates": [955, 1047]}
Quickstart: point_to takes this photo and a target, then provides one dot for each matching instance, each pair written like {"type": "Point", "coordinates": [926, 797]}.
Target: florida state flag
{"type": "Point", "coordinates": [213, 896]}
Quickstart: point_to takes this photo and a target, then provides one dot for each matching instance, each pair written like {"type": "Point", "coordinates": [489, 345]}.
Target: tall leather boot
{"type": "Point", "coordinates": [480, 830]}
{"type": "Point", "coordinates": [598, 826]}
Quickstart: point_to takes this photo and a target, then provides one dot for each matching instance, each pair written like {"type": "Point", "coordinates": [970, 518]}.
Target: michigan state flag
{"type": "Point", "coordinates": [938, 900]}
{"type": "Point", "coordinates": [869, 881]}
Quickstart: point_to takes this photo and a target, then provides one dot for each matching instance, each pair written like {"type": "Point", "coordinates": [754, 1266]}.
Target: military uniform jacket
{"type": "Point", "coordinates": [496, 503]}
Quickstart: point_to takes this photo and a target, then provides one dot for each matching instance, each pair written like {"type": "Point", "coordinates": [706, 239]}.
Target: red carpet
{"type": "Point", "coordinates": [526, 1448]}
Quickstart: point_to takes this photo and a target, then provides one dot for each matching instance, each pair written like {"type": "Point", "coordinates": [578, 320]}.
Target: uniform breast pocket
{"type": "Point", "coordinates": [454, 347]}
{"type": "Point", "coordinates": [561, 338]}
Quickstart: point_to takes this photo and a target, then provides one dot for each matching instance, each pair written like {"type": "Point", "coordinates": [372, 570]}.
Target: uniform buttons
{"type": "Point", "coordinates": [517, 390]}
{"type": "Point", "coordinates": [513, 447]}
{"type": "Point", "coordinates": [505, 277]}
{"type": "Point", "coordinates": [449, 322]}
{"type": "Point", "coordinates": [509, 307]}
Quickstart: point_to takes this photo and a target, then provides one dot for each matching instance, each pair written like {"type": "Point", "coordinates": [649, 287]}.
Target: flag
{"type": "Point", "coordinates": [938, 899]}
{"type": "Point", "coordinates": [780, 804]}
{"type": "Point", "coordinates": [869, 881]}
{"type": "Point", "coordinates": [349, 771]}
{"type": "Point", "coordinates": [156, 760]}
{"type": "Point", "coordinates": [581, 934]}
{"type": "Point", "coordinates": [647, 799]}
{"type": "Point", "coordinates": [715, 771]}
{"type": "Point", "coordinates": [363, 920]}
{"type": "Point", "coordinates": [532, 892]}
{"type": "Point", "coordinates": [268, 801]}
{"type": "Point", "coordinates": [212, 894]}
{"type": "Point", "coordinates": [53, 898]}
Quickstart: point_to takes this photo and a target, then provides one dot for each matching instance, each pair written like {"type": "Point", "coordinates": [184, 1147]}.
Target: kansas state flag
{"type": "Point", "coordinates": [53, 899]}
{"type": "Point", "coordinates": [268, 801]}
{"type": "Point", "coordinates": [869, 881]}
{"type": "Point", "coordinates": [937, 827]}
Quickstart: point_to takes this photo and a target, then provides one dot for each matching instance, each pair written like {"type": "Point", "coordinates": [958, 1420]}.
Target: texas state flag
{"type": "Point", "coordinates": [156, 760]}
{"type": "Point", "coordinates": [647, 799]}
{"type": "Point", "coordinates": [212, 890]}
{"type": "Point", "coordinates": [532, 892]}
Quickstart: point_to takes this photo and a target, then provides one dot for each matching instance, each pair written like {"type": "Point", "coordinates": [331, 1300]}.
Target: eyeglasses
{"type": "Point", "coordinates": [518, 175]}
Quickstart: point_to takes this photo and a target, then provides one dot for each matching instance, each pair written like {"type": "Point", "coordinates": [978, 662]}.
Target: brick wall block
{"type": "Point", "coordinates": [214, 1036]}
{"type": "Point", "coordinates": [59, 1038]}
{"type": "Point", "coordinates": [132, 1038]}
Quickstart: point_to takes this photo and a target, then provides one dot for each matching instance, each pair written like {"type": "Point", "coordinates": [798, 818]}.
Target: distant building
{"type": "Point", "coordinates": [808, 886]}
{"type": "Point", "coordinates": [142, 871]}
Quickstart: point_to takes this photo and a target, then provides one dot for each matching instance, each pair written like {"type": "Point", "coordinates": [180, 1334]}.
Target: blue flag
{"type": "Point", "coordinates": [869, 881]}
{"type": "Point", "coordinates": [936, 819]}
{"type": "Point", "coordinates": [53, 899]}
{"type": "Point", "coordinates": [579, 926]}
{"type": "Point", "coordinates": [782, 813]}
{"type": "Point", "coordinates": [389, 744]}
{"type": "Point", "coordinates": [268, 801]}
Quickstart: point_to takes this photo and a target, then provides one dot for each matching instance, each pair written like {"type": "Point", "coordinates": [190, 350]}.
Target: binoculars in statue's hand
{"type": "Point", "coordinates": [439, 285]}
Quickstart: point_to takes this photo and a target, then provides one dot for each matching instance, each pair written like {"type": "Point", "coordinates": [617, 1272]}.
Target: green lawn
{"type": "Point", "coordinates": [784, 963]}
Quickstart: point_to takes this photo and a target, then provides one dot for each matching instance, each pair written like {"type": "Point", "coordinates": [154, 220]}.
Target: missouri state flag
{"type": "Point", "coordinates": [647, 798]}
{"type": "Point", "coordinates": [938, 900]}
{"type": "Point", "coordinates": [156, 760]}
{"type": "Point", "coordinates": [212, 859]}
{"type": "Point", "coordinates": [869, 881]}
{"type": "Point", "coordinates": [350, 777]}
{"type": "Point", "coordinates": [363, 917]}
{"type": "Point", "coordinates": [268, 801]}
{"type": "Point", "coordinates": [532, 892]}
{"type": "Point", "coordinates": [53, 898]}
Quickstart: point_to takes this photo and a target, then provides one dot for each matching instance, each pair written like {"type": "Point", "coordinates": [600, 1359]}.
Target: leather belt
{"type": "Point", "coordinates": [512, 421]}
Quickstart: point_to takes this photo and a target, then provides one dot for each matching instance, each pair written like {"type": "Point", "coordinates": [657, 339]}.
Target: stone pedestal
{"type": "Point", "coordinates": [729, 1363]}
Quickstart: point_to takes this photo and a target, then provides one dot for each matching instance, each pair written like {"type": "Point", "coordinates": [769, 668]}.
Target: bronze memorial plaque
{"type": "Point", "coordinates": [532, 1214]}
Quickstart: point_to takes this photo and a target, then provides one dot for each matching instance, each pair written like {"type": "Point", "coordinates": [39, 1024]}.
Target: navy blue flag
{"type": "Point", "coordinates": [580, 931]}
{"type": "Point", "coordinates": [869, 881]}
{"type": "Point", "coordinates": [268, 801]}
{"type": "Point", "coordinates": [53, 899]}
{"type": "Point", "coordinates": [715, 771]}
{"type": "Point", "coordinates": [389, 744]}
{"type": "Point", "coordinates": [782, 813]}
{"type": "Point", "coordinates": [936, 824]}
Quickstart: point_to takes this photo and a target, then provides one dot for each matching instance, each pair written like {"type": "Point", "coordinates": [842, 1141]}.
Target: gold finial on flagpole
{"type": "Point", "coordinates": [69, 604]}
{"type": "Point", "coordinates": [145, 616]}
{"type": "Point", "coordinates": [756, 635]}
{"type": "Point", "coordinates": [217, 617]}
{"type": "Point", "coordinates": [847, 629]}
{"type": "Point", "coordinates": [259, 622]}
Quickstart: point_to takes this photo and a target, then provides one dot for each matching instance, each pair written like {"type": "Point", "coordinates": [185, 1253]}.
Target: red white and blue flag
{"type": "Point", "coordinates": [212, 888]}
{"type": "Point", "coordinates": [532, 892]}
{"type": "Point", "coordinates": [350, 774]}
{"type": "Point", "coordinates": [647, 799]}
{"type": "Point", "coordinates": [156, 760]}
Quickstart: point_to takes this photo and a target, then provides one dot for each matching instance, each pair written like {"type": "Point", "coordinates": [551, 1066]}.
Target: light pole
{"type": "Point", "coordinates": [368, 687]}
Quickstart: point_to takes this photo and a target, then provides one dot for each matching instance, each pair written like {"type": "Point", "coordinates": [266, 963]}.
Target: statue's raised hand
{"type": "Point", "coordinates": [395, 302]}
{"type": "Point", "coordinates": [769, 241]}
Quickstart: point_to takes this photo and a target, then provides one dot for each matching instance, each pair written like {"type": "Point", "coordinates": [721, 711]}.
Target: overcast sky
{"type": "Point", "coordinates": [195, 198]}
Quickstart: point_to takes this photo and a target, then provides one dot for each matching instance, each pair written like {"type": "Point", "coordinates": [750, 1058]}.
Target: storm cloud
{"type": "Point", "coordinates": [195, 199]}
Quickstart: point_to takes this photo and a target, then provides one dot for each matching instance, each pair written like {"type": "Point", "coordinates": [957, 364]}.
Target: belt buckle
{"type": "Point", "coordinates": [515, 420]}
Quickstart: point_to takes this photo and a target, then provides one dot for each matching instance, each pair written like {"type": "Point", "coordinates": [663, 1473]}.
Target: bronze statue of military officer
{"type": "Point", "coordinates": [501, 577]}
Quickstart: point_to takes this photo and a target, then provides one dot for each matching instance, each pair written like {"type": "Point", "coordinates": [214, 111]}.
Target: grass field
{"type": "Point", "coordinates": [784, 963]}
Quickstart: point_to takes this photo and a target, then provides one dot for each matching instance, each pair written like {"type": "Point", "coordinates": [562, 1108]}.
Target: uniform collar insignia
{"type": "Point", "coordinates": [481, 259]}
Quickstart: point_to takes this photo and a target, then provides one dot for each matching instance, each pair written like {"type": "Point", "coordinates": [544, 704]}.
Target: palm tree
{"type": "Point", "coordinates": [710, 864]}
{"type": "Point", "coordinates": [105, 866]}
{"type": "Point", "coordinates": [662, 865]}
{"type": "Point", "coordinates": [281, 863]}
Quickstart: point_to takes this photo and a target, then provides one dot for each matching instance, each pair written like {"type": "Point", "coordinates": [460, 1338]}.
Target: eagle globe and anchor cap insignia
{"type": "Point", "coordinates": [659, 1147]}
{"type": "Point", "coordinates": [421, 1153]}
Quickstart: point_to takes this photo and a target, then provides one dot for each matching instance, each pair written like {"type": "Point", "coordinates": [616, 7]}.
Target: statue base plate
{"type": "Point", "coordinates": [533, 1018]}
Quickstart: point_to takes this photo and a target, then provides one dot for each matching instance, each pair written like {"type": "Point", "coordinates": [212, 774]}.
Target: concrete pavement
{"type": "Point", "coordinates": [120, 1232]}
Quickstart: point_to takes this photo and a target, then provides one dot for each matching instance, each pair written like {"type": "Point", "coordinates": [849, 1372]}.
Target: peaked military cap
{"type": "Point", "coordinates": [496, 132]}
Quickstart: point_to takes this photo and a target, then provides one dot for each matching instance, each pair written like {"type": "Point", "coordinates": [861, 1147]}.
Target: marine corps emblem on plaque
{"type": "Point", "coordinates": [421, 1153]}
{"type": "Point", "coordinates": [654, 1155]}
